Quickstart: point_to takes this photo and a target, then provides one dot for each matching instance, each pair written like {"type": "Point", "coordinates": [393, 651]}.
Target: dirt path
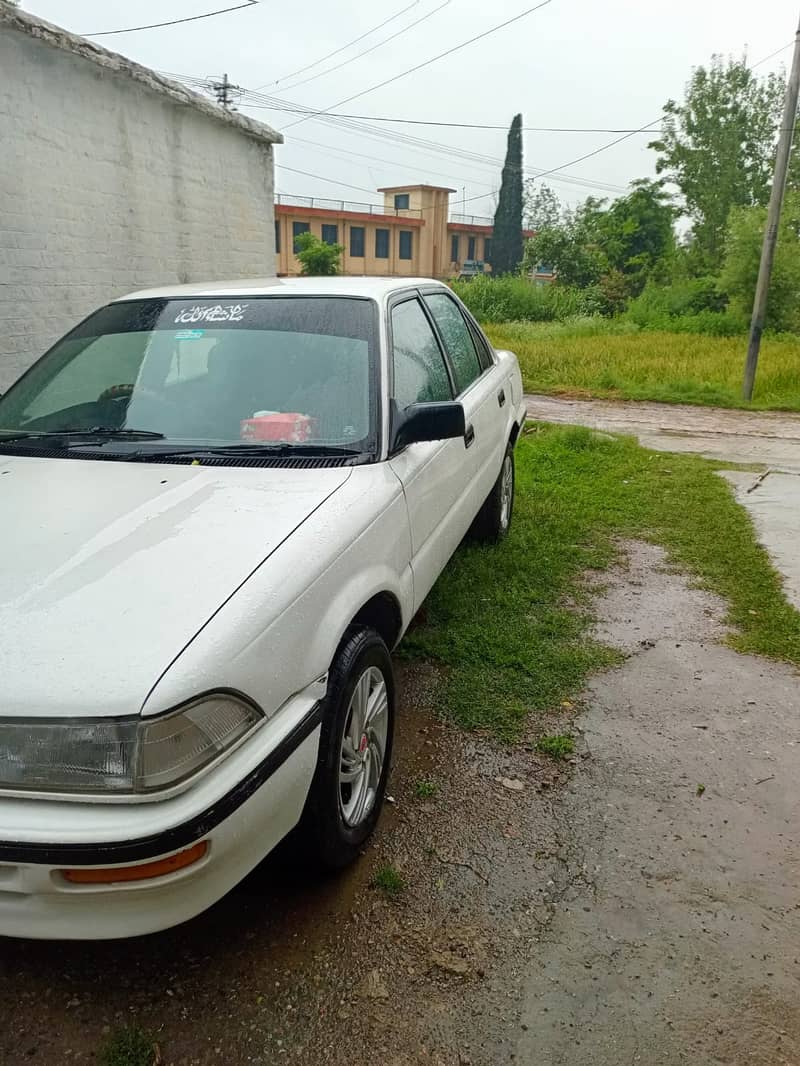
{"type": "Point", "coordinates": [767, 438]}
{"type": "Point", "coordinates": [599, 912]}
{"type": "Point", "coordinates": [685, 944]}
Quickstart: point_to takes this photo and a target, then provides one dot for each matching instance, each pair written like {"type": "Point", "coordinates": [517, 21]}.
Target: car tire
{"type": "Point", "coordinates": [349, 785]}
{"type": "Point", "coordinates": [493, 521]}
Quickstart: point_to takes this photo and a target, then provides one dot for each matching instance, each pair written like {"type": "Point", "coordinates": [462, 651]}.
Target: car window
{"type": "Point", "coordinates": [294, 370]}
{"type": "Point", "coordinates": [457, 338]}
{"type": "Point", "coordinates": [420, 373]}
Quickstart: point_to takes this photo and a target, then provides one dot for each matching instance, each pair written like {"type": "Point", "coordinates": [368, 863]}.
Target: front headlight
{"type": "Point", "coordinates": [123, 755]}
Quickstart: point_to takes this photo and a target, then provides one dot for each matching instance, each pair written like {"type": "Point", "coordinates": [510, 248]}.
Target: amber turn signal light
{"type": "Point", "coordinates": [109, 875]}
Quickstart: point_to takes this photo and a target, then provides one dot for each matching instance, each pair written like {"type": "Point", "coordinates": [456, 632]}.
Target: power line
{"type": "Point", "coordinates": [433, 59]}
{"type": "Point", "coordinates": [455, 125]}
{"type": "Point", "coordinates": [647, 126]}
{"type": "Point", "coordinates": [173, 22]}
{"type": "Point", "coordinates": [303, 110]}
{"type": "Point", "coordinates": [475, 160]}
{"type": "Point", "coordinates": [367, 51]}
{"type": "Point", "coordinates": [343, 47]}
{"type": "Point", "coordinates": [320, 177]}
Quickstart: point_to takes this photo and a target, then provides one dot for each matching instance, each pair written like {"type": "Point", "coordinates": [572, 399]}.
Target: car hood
{"type": "Point", "coordinates": [107, 570]}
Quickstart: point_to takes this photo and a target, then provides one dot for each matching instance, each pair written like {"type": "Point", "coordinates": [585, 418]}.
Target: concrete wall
{"type": "Point", "coordinates": [112, 179]}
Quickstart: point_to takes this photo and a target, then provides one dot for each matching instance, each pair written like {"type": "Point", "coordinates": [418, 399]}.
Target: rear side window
{"type": "Point", "coordinates": [420, 374]}
{"type": "Point", "coordinates": [457, 338]}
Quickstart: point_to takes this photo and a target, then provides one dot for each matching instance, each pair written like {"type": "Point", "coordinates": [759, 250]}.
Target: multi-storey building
{"type": "Point", "coordinates": [412, 233]}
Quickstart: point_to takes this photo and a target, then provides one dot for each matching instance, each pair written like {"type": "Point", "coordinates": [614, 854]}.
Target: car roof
{"type": "Point", "coordinates": [374, 288]}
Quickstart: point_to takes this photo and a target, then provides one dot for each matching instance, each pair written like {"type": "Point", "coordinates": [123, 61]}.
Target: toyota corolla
{"type": "Point", "coordinates": [222, 506]}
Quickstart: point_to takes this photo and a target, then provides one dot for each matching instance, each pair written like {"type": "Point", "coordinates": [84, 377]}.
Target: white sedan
{"type": "Point", "coordinates": [222, 506]}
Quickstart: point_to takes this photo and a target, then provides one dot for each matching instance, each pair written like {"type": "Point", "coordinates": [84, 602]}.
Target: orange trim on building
{"type": "Point", "coordinates": [350, 216]}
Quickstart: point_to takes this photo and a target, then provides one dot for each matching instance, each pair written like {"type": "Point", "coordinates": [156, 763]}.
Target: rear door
{"type": "Point", "coordinates": [478, 387]}
{"type": "Point", "coordinates": [435, 475]}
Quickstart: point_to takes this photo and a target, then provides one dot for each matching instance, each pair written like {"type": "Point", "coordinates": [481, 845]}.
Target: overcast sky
{"type": "Point", "coordinates": [574, 63]}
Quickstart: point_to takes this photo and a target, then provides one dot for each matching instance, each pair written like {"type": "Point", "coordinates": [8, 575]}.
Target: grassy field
{"type": "Point", "coordinates": [509, 624]}
{"type": "Point", "coordinates": [617, 361]}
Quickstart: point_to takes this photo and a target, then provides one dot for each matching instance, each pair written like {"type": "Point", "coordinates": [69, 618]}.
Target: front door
{"type": "Point", "coordinates": [435, 474]}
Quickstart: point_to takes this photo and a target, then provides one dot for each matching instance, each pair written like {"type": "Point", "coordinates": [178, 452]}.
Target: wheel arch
{"type": "Point", "coordinates": [383, 613]}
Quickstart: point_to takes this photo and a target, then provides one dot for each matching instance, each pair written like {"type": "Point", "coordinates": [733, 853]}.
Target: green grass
{"type": "Point", "coordinates": [616, 360]}
{"type": "Point", "coordinates": [557, 746]}
{"type": "Point", "coordinates": [425, 788]}
{"type": "Point", "coordinates": [509, 625]}
{"type": "Point", "coordinates": [389, 880]}
{"type": "Point", "coordinates": [129, 1046]}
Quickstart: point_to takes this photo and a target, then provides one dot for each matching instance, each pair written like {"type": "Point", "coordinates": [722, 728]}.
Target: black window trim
{"type": "Point", "coordinates": [430, 290]}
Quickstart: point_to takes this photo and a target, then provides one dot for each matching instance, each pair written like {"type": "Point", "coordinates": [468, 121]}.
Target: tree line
{"type": "Point", "coordinates": [687, 241]}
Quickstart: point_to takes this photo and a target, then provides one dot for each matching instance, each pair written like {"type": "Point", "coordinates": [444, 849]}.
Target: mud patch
{"type": "Point", "coordinates": [291, 969]}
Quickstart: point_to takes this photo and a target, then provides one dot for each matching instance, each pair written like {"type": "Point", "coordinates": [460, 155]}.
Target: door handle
{"type": "Point", "coordinates": [469, 435]}
{"type": "Point", "coordinates": [501, 397]}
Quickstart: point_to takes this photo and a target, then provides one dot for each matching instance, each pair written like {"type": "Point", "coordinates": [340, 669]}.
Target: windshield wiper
{"type": "Point", "coordinates": [68, 436]}
{"type": "Point", "coordinates": [246, 448]}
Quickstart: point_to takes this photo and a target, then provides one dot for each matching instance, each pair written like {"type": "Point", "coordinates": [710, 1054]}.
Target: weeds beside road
{"type": "Point", "coordinates": [510, 626]}
{"type": "Point", "coordinates": [616, 360]}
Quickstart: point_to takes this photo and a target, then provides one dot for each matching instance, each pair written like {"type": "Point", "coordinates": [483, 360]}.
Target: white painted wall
{"type": "Point", "coordinates": [111, 180]}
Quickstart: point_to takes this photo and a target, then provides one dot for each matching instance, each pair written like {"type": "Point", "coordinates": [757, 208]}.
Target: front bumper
{"type": "Point", "coordinates": [242, 809]}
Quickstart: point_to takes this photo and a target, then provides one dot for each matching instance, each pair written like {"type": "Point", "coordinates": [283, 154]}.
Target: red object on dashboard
{"type": "Point", "coordinates": [279, 426]}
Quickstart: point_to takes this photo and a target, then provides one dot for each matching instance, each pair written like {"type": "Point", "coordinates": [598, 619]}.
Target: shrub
{"type": "Point", "coordinates": [687, 305]}
{"type": "Point", "coordinates": [517, 299]}
{"type": "Point", "coordinates": [317, 257]}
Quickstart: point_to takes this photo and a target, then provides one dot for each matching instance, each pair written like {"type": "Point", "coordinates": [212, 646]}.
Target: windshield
{"type": "Point", "coordinates": [285, 370]}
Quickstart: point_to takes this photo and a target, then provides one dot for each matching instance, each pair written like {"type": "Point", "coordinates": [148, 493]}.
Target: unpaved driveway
{"type": "Point", "coordinates": [684, 944]}
{"type": "Point", "coordinates": [769, 439]}
{"type": "Point", "coordinates": [597, 913]}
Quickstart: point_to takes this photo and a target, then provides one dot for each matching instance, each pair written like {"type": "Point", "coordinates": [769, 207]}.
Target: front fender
{"type": "Point", "coordinates": [280, 631]}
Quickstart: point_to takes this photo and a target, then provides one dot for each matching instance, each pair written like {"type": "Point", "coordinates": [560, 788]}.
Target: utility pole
{"type": "Point", "coordinates": [225, 92]}
{"type": "Point", "coordinates": [773, 220]}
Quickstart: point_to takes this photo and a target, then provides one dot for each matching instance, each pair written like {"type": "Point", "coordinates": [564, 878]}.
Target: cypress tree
{"type": "Point", "coordinates": [507, 249]}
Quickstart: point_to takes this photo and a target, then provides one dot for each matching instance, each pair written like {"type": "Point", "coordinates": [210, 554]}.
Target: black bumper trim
{"type": "Point", "coordinates": [180, 836]}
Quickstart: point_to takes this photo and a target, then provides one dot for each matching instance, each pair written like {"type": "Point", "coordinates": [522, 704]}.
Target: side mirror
{"type": "Point", "coordinates": [426, 422]}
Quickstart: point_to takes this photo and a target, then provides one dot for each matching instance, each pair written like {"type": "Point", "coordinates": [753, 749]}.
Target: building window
{"type": "Point", "coordinates": [487, 250]}
{"type": "Point", "coordinates": [401, 201]}
{"type": "Point", "coordinates": [297, 229]}
{"type": "Point", "coordinates": [357, 242]}
{"type": "Point", "coordinates": [330, 234]}
{"type": "Point", "coordinates": [454, 248]}
{"type": "Point", "coordinates": [406, 244]}
{"type": "Point", "coordinates": [471, 248]}
{"type": "Point", "coordinates": [277, 235]}
{"type": "Point", "coordinates": [381, 244]}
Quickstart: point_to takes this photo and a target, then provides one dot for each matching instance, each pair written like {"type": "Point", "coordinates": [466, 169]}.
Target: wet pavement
{"type": "Point", "coordinates": [768, 439]}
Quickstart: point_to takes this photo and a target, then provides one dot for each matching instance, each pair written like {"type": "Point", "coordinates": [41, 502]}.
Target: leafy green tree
{"type": "Point", "coordinates": [317, 258]}
{"type": "Point", "coordinates": [718, 148]}
{"type": "Point", "coordinates": [742, 256]}
{"type": "Point", "coordinates": [636, 233]}
{"type": "Point", "coordinates": [542, 206]}
{"type": "Point", "coordinates": [507, 242]}
{"type": "Point", "coordinates": [572, 247]}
